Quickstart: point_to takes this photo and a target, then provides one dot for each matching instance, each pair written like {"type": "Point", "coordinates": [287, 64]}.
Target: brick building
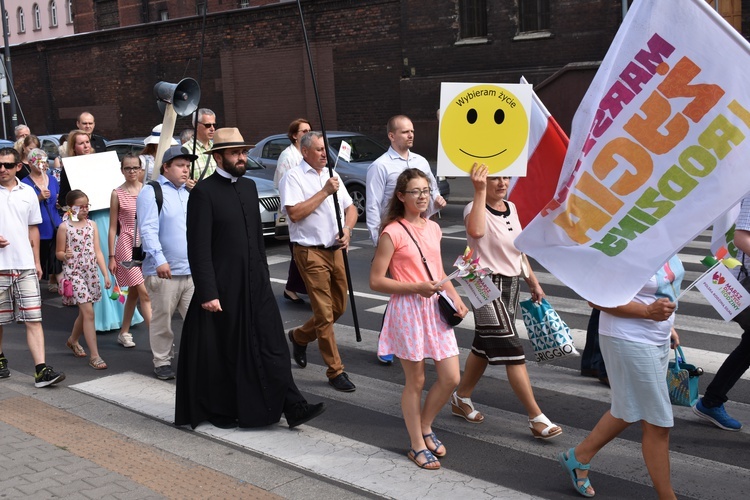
{"type": "Point", "coordinates": [373, 58]}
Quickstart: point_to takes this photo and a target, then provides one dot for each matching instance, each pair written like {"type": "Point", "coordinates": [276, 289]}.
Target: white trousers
{"type": "Point", "coordinates": [167, 296]}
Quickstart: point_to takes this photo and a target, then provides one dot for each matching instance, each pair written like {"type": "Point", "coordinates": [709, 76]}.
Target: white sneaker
{"type": "Point", "coordinates": [126, 340]}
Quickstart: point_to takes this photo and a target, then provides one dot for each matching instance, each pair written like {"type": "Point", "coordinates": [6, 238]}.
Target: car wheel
{"type": "Point", "coordinates": [358, 197]}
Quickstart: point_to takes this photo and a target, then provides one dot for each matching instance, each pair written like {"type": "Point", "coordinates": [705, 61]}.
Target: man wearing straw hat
{"type": "Point", "coordinates": [234, 367]}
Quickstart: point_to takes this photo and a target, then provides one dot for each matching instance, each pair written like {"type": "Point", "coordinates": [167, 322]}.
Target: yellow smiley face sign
{"type": "Point", "coordinates": [484, 123]}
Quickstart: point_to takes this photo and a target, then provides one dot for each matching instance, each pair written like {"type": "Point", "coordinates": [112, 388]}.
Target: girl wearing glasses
{"type": "Point", "coordinates": [78, 249]}
{"type": "Point", "coordinates": [412, 326]}
{"type": "Point", "coordinates": [122, 226]}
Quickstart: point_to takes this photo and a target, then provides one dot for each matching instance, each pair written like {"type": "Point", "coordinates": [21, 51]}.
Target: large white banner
{"type": "Point", "coordinates": [659, 149]}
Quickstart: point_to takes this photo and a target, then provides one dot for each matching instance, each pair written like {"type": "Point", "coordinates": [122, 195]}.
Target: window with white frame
{"type": "Point", "coordinates": [37, 17]}
{"type": "Point", "coordinates": [70, 12]}
{"type": "Point", "coordinates": [53, 14]}
{"type": "Point", "coordinates": [21, 20]}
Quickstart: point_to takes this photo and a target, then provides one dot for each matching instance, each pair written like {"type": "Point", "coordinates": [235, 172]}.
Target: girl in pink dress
{"type": "Point", "coordinates": [122, 212]}
{"type": "Point", "coordinates": [78, 249]}
{"type": "Point", "coordinates": [412, 327]}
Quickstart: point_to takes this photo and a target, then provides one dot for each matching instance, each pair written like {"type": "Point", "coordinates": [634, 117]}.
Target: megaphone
{"type": "Point", "coordinates": [183, 96]}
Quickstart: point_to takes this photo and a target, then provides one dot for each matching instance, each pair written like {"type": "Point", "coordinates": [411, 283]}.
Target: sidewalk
{"type": "Point", "coordinates": [58, 442]}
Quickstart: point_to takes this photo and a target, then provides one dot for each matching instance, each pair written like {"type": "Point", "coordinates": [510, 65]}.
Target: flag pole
{"type": "Point", "coordinates": [330, 172]}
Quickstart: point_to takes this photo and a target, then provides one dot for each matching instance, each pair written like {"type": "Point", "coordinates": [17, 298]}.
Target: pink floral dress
{"type": "Point", "coordinates": [412, 327]}
{"type": "Point", "coordinates": [81, 269]}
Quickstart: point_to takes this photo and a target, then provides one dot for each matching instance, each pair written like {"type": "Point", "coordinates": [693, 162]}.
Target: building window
{"type": "Point", "coordinates": [244, 4]}
{"type": "Point", "coordinates": [533, 15]}
{"type": "Point", "coordinates": [21, 21]}
{"type": "Point", "coordinates": [70, 12]}
{"type": "Point", "coordinates": [200, 8]}
{"type": "Point", "coordinates": [107, 14]}
{"type": "Point", "coordinates": [37, 17]}
{"type": "Point", "coordinates": [53, 14]}
{"type": "Point", "coordinates": [472, 16]}
{"type": "Point", "coordinates": [163, 15]}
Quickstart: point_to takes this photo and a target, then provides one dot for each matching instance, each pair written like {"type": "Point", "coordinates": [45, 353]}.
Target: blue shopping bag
{"type": "Point", "coordinates": [682, 380]}
{"type": "Point", "coordinates": [549, 335]}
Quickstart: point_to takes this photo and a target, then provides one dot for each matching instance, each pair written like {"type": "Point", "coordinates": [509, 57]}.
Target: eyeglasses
{"type": "Point", "coordinates": [242, 152]}
{"type": "Point", "coordinates": [208, 125]}
{"type": "Point", "coordinates": [131, 169]}
{"type": "Point", "coordinates": [419, 192]}
{"type": "Point", "coordinates": [8, 166]}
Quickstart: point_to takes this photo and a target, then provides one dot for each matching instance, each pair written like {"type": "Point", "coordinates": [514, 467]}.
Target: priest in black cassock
{"type": "Point", "coordinates": [234, 366]}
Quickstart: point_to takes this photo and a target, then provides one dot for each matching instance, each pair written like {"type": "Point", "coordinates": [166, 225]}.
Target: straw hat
{"type": "Point", "coordinates": [154, 137]}
{"type": "Point", "coordinates": [226, 138]}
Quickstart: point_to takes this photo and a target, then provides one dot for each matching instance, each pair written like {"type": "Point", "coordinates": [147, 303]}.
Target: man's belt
{"type": "Point", "coordinates": [320, 247]}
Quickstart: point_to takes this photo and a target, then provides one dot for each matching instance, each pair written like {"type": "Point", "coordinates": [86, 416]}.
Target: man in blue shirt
{"type": "Point", "coordinates": [166, 271]}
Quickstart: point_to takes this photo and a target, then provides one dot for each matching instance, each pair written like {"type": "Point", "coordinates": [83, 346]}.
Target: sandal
{"type": "Point", "coordinates": [472, 415]}
{"type": "Point", "coordinates": [547, 433]}
{"type": "Point", "coordinates": [430, 463]}
{"type": "Point", "coordinates": [437, 444]}
{"type": "Point", "coordinates": [570, 464]}
{"type": "Point", "coordinates": [77, 349]}
{"type": "Point", "coordinates": [97, 363]}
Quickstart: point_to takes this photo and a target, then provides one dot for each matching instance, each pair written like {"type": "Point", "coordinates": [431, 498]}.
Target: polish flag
{"type": "Point", "coordinates": [547, 146]}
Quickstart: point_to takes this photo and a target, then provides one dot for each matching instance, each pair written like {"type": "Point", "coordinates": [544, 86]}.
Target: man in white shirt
{"type": "Point", "coordinates": [20, 269]}
{"type": "Point", "coordinates": [382, 176]}
{"type": "Point", "coordinates": [306, 198]}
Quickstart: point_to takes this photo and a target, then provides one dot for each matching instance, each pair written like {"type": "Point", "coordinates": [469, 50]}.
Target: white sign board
{"type": "Point", "coordinates": [96, 175]}
{"type": "Point", "coordinates": [484, 123]}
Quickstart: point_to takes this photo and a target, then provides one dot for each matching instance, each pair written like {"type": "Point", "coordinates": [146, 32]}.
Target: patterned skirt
{"type": "Point", "coordinates": [495, 335]}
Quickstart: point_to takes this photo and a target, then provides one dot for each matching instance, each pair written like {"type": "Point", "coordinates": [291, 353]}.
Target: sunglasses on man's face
{"type": "Point", "coordinates": [8, 166]}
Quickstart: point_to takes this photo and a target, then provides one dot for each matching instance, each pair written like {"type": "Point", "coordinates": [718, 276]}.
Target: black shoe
{"type": "Point", "coordinates": [590, 373]}
{"type": "Point", "coordinates": [223, 422]}
{"type": "Point", "coordinates": [302, 412]}
{"type": "Point", "coordinates": [4, 371]}
{"type": "Point", "coordinates": [604, 380]}
{"type": "Point", "coordinates": [299, 351]}
{"type": "Point", "coordinates": [342, 383]}
{"type": "Point", "coordinates": [48, 376]}
{"type": "Point", "coordinates": [295, 301]}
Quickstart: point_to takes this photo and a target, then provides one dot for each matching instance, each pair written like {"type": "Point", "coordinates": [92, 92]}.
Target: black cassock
{"type": "Point", "coordinates": [234, 363]}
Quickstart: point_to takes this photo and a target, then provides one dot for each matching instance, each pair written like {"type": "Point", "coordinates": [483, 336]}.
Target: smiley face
{"type": "Point", "coordinates": [485, 124]}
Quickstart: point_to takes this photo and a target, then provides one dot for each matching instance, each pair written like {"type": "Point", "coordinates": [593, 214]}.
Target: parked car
{"type": "Point", "coordinates": [268, 198]}
{"type": "Point", "coordinates": [353, 173]}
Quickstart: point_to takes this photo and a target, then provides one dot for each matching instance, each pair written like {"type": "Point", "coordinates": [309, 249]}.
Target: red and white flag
{"type": "Point", "coordinates": [547, 146]}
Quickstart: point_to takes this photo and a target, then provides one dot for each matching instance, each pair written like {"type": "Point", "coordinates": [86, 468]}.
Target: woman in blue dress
{"type": "Point", "coordinates": [107, 313]}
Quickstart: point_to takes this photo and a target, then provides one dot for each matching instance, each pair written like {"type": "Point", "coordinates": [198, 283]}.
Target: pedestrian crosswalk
{"type": "Point", "coordinates": [385, 471]}
{"type": "Point", "coordinates": [360, 442]}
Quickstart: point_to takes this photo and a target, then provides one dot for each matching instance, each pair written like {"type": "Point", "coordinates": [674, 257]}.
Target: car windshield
{"type": "Point", "coordinates": [364, 149]}
{"type": "Point", "coordinates": [253, 165]}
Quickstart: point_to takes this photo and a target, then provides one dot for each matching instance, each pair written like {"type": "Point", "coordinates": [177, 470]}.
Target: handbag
{"type": "Point", "coordinates": [137, 255]}
{"type": "Point", "coordinates": [682, 380]}
{"type": "Point", "coordinates": [65, 288]}
{"type": "Point", "coordinates": [447, 308]}
{"type": "Point", "coordinates": [549, 335]}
